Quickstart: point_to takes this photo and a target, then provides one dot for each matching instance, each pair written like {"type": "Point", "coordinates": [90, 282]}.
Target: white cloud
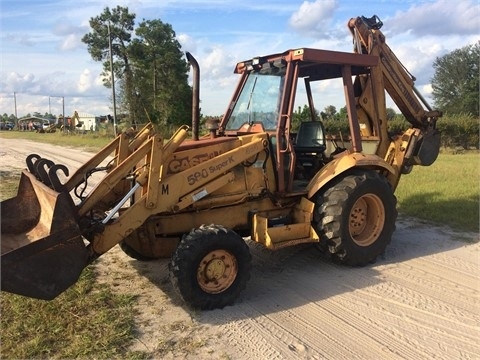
{"type": "Point", "coordinates": [417, 57]}
{"type": "Point", "coordinates": [69, 42]}
{"type": "Point", "coordinates": [215, 59]}
{"type": "Point", "coordinates": [18, 82]}
{"type": "Point", "coordinates": [313, 18]}
{"type": "Point", "coordinates": [216, 78]}
{"type": "Point", "coordinates": [70, 36]}
{"type": "Point", "coordinates": [100, 80]}
{"type": "Point", "coordinates": [427, 89]}
{"type": "Point", "coordinates": [187, 43]}
{"type": "Point", "coordinates": [443, 17]}
{"type": "Point", "coordinates": [19, 38]}
{"type": "Point", "coordinates": [85, 82]}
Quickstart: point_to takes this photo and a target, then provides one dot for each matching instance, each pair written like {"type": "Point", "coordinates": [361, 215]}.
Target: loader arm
{"type": "Point", "coordinates": [122, 148]}
{"type": "Point", "coordinates": [172, 193]}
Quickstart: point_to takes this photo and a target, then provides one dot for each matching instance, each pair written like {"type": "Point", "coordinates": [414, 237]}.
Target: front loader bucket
{"type": "Point", "coordinates": [42, 250]}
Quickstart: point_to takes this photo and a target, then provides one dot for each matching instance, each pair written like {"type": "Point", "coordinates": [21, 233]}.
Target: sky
{"type": "Point", "coordinates": [44, 65]}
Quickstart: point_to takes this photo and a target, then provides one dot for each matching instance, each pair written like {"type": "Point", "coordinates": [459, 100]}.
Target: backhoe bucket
{"type": "Point", "coordinates": [42, 250]}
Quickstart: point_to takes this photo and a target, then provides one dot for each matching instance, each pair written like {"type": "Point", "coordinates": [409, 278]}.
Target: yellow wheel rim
{"type": "Point", "coordinates": [366, 219]}
{"type": "Point", "coordinates": [217, 271]}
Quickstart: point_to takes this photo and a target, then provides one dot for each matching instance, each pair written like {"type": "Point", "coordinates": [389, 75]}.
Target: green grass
{"type": "Point", "coordinates": [8, 183]}
{"type": "Point", "coordinates": [446, 192]}
{"type": "Point", "coordinates": [86, 321]}
{"type": "Point", "coordinates": [91, 141]}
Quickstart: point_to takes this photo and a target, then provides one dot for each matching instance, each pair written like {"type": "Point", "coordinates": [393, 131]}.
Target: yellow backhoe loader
{"type": "Point", "coordinates": [195, 200]}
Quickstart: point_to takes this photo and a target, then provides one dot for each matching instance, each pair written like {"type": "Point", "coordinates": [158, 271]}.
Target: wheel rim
{"type": "Point", "coordinates": [217, 271]}
{"type": "Point", "coordinates": [366, 219]}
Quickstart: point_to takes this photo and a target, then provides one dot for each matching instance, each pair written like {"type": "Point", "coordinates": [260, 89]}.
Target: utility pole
{"type": "Point", "coordinates": [15, 102]}
{"type": "Point", "coordinates": [64, 118]}
{"type": "Point", "coordinates": [113, 81]}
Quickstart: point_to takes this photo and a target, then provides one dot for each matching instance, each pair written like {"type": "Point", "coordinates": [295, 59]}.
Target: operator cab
{"type": "Point", "coordinates": [264, 102]}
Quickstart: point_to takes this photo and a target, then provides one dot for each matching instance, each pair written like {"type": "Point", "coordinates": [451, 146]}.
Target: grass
{"type": "Point", "coordinates": [8, 184]}
{"type": "Point", "coordinates": [90, 141]}
{"type": "Point", "coordinates": [86, 321]}
{"type": "Point", "coordinates": [446, 192]}
{"type": "Point", "coordinates": [187, 341]}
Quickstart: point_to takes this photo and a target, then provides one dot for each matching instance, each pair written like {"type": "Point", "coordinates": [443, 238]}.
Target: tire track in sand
{"type": "Point", "coordinates": [307, 307]}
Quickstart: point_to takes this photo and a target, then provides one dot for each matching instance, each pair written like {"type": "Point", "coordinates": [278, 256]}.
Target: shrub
{"type": "Point", "coordinates": [458, 131]}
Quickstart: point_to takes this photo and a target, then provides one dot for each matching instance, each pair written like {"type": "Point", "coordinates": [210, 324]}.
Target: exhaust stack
{"type": "Point", "coordinates": [195, 95]}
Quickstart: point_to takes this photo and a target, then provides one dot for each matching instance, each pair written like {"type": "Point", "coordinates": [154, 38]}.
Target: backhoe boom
{"type": "Point", "coordinates": [399, 83]}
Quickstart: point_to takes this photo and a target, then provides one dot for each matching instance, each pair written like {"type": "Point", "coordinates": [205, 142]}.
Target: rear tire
{"type": "Point", "coordinates": [210, 267]}
{"type": "Point", "coordinates": [356, 217]}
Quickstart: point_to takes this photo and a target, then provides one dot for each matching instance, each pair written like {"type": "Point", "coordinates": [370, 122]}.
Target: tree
{"type": "Point", "coordinates": [151, 74]}
{"type": "Point", "coordinates": [329, 112]}
{"type": "Point", "coordinates": [161, 74]}
{"type": "Point", "coordinates": [121, 24]}
{"type": "Point", "coordinates": [342, 113]}
{"type": "Point", "coordinates": [49, 116]}
{"type": "Point", "coordinates": [456, 81]}
{"type": "Point", "coordinates": [302, 114]}
{"type": "Point", "coordinates": [391, 113]}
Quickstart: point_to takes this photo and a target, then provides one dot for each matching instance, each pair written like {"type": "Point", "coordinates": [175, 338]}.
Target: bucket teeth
{"type": "Point", "coordinates": [53, 176]}
{"type": "Point", "coordinates": [45, 170]}
{"type": "Point", "coordinates": [31, 160]}
{"type": "Point", "coordinates": [42, 172]}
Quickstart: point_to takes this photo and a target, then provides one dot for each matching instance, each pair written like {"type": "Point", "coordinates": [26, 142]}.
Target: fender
{"type": "Point", "coordinates": [344, 163]}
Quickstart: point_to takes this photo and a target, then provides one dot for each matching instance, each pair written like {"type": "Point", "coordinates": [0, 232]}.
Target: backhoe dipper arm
{"type": "Point", "coordinates": [399, 83]}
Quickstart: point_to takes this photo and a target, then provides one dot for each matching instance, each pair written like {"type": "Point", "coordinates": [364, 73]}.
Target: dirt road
{"type": "Point", "coordinates": [419, 301]}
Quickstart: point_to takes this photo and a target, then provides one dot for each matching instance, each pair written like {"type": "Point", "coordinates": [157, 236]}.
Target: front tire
{"type": "Point", "coordinates": [134, 254]}
{"type": "Point", "coordinates": [210, 267]}
{"type": "Point", "coordinates": [143, 245]}
{"type": "Point", "coordinates": [356, 217]}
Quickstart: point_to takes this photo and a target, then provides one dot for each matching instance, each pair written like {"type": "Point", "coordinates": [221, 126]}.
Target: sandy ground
{"type": "Point", "coordinates": [419, 301]}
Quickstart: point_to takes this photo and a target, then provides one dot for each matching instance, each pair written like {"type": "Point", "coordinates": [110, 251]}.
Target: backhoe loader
{"type": "Point", "coordinates": [196, 200]}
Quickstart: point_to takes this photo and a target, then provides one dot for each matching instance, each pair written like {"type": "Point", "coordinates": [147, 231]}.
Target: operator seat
{"type": "Point", "coordinates": [310, 138]}
{"type": "Point", "coordinates": [309, 146]}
